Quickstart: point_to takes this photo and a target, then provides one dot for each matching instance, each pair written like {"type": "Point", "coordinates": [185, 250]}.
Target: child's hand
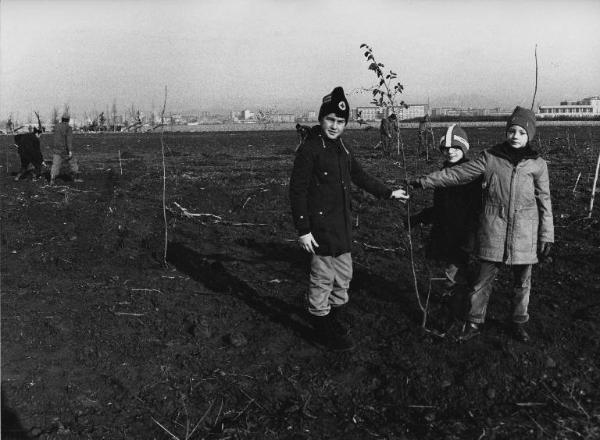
{"type": "Point", "coordinates": [307, 242]}
{"type": "Point", "coordinates": [399, 194]}
{"type": "Point", "coordinates": [544, 251]}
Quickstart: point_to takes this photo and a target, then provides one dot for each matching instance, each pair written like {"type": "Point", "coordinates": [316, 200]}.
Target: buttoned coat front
{"type": "Point", "coordinates": [320, 192]}
{"type": "Point", "coordinates": [517, 210]}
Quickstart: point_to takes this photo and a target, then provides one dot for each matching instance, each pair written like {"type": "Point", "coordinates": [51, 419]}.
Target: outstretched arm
{"type": "Point", "coordinates": [453, 176]}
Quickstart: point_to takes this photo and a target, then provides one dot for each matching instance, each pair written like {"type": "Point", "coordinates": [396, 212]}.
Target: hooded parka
{"type": "Point", "coordinates": [517, 210]}
{"type": "Point", "coordinates": [320, 192]}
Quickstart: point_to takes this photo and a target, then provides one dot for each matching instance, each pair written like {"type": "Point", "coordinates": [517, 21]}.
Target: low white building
{"type": "Point", "coordinates": [573, 109]}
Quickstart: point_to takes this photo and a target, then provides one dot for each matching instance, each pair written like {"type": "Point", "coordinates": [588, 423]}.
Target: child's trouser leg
{"type": "Point", "coordinates": [329, 281]}
{"type": "Point", "coordinates": [322, 275]}
{"type": "Point", "coordinates": [521, 291]}
{"type": "Point", "coordinates": [342, 266]}
{"type": "Point", "coordinates": [480, 295]}
{"type": "Point", "coordinates": [456, 272]}
{"type": "Point", "coordinates": [56, 163]}
{"type": "Point", "coordinates": [451, 272]}
{"type": "Point", "coordinates": [74, 166]}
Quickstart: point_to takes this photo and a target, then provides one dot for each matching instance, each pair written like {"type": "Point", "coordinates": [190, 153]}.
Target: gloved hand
{"type": "Point", "coordinates": [308, 243]}
{"type": "Point", "coordinates": [544, 249]}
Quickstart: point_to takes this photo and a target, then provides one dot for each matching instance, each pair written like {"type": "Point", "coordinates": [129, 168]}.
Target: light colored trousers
{"type": "Point", "coordinates": [57, 161]}
{"type": "Point", "coordinates": [480, 295]}
{"type": "Point", "coordinates": [329, 281]}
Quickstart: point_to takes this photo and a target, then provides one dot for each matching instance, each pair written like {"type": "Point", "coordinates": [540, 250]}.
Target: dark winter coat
{"type": "Point", "coordinates": [387, 128]}
{"type": "Point", "coordinates": [28, 147]}
{"type": "Point", "coordinates": [517, 210]}
{"type": "Point", "coordinates": [454, 219]}
{"type": "Point", "coordinates": [320, 192]}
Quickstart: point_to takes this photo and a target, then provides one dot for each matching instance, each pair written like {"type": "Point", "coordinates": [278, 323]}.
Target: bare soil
{"type": "Point", "coordinates": [100, 340]}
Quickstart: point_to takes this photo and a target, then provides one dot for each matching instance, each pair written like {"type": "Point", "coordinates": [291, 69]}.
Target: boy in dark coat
{"type": "Point", "coordinates": [453, 214]}
{"type": "Point", "coordinates": [320, 199]}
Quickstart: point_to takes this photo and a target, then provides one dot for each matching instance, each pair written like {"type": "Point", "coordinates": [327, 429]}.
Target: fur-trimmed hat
{"type": "Point", "coordinates": [455, 137]}
{"type": "Point", "coordinates": [525, 118]}
{"type": "Point", "coordinates": [337, 103]}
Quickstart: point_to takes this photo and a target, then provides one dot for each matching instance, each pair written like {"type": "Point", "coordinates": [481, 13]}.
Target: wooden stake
{"type": "Point", "coordinates": [594, 186]}
{"type": "Point", "coordinates": [576, 182]}
{"type": "Point", "coordinates": [536, 79]}
{"type": "Point", "coordinates": [164, 187]}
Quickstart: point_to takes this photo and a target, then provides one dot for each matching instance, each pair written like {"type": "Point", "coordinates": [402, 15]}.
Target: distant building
{"type": "Point", "coordinates": [573, 109]}
{"type": "Point", "coordinates": [283, 117]}
{"type": "Point", "coordinates": [372, 113]}
{"type": "Point", "coordinates": [457, 112]}
{"type": "Point", "coordinates": [369, 113]}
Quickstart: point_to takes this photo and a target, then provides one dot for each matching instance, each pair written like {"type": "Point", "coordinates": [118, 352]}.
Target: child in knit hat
{"type": "Point", "coordinates": [320, 197]}
{"type": "Point", "coordinates": [515, 226]}
{"type": "Point", "coordinates": [453, 215]}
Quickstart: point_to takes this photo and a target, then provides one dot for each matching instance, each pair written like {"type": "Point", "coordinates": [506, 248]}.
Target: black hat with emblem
{"type": "Point", "coordinates": [337, 103]}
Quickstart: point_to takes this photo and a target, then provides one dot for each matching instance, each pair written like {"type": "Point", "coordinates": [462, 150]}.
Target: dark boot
{"type": "Point", "coordinates": [519, 332]}
{"type": "Point", "coordinates": [337, 323]}
{"type": "Point", "coordinates": [469, 331]}
{"type": "Point", "coordinates": [327, 337]}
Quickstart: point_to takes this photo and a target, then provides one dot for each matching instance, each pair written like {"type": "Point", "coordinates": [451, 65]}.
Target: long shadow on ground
{"type": "Point", "coordinates": [215, 276]}
{"type": "Point", "coordinates": [11, 426]}
{"type": "Point", "coordinates": [365, 282]}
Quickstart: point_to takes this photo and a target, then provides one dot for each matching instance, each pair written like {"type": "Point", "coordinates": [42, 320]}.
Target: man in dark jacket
{"type": "Point", "coordinates": [320, 199]}
{"type": "Point", "coordinates": [388, 131]}
{"type": "Point", "coordinates": [28, 147]}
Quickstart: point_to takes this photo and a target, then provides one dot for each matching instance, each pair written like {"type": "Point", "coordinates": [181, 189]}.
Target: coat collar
{"type": "Point", "coordinates": [514, 155]}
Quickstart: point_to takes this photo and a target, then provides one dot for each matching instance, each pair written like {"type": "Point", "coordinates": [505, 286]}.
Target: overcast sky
{"type": "Point", "coordinates": [235, 54]}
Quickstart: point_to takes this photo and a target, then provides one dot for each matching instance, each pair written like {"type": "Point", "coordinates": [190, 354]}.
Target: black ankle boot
{"type": "Point", "coordinates": [337, 324]}
{"type": "Point", "coordinates": [519, 332]}
{"type": "Point", "coordinates": [326, 335]}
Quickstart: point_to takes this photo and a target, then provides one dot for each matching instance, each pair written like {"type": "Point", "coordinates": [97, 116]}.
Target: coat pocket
{"type": "Point", "coordinates": [526, 230]}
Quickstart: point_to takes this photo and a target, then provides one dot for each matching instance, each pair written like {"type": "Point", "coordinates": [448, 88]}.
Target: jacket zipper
{"type": "Point", "coordinates": [510, 217]}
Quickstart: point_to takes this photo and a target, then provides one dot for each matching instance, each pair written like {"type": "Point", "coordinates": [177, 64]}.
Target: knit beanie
{"type": "Point", "coordinates": [455, 137]}
{"type": "Point", "coordinates": [336, 103]}
{"type": "Point", "coordinates": [523, 118]}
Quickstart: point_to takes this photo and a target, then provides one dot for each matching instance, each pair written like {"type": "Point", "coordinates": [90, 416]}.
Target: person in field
{"type": "Point", "coordinates": [453, 215]}
{"type": "Point", "coordinates": [387, 132]}
{"type": "Point", "coordinates": [63, 150]}
{"type": "Point", "coordinates": [516, 227]}
{"type": "Point", "coordinates": [424, 128]}
{"type": "Point", "coordinates": [323, 171]}
{"type": "Point", "coordinates": [30, 153]}
{"type": "Point", "coordinates": [303, 132]}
